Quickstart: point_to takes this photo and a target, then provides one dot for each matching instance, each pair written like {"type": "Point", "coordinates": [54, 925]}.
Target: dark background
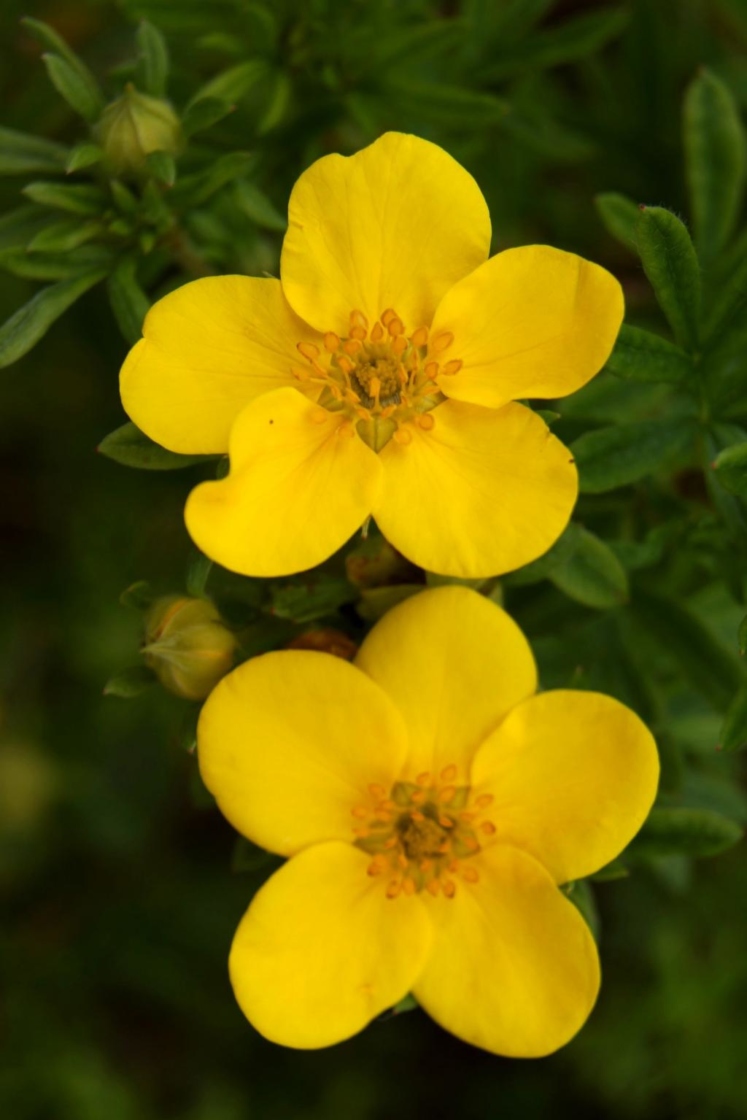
{"type": "Point", "coordinates": [118, 900]}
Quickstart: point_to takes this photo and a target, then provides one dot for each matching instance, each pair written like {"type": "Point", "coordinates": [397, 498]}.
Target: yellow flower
{"type": "Point", "coordinates": [379, 376]}
{"type": "Point", "coordinates": [430, 803]}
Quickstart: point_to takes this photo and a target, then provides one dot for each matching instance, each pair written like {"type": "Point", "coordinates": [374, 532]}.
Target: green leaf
{"type": "Point", "coordinates": [670, 263]}
{"type": "Point", "coordinates": [566, 42]}
{"type": "Point", "coordinates": [616, 456]}
{"type": "Point", "coordinates": [581, 894]}
{"type": "Point", "coordinates": [445, 104]}
{"type": "Point", "coordinates": [619, 215]}
{"type": "Point", "coordinates": [129, 683]}
{"type": "Point", "coordinates": [32, 321]}
{"type": "Point", "coordinates": [316, 595]}
{"type": "Point", "coordinates": [198, 573]}
{"type": "Point", "coordinates": [233, 84]}
{"type": "Point", "coordinates": [20, 226]}
{"type": "Point", "coordinates": [204, 113]}
{"type": "Point", "coordinates": [70, 83]}
{"type": "Point", "coordinates": [715, 161]}
{"type": "Point", "coordinates": [711, 669]}
{"type": "Point", "coordinates": [62, 236]}
{"type": "Point", "coordinates": [53, 266]}
{"type": "Point", "coordinates": [82, 156]}
{"type": "Point", "coordinates": [729, 305]}
{"type": "Point", "coordinates": [153, 61]}
{"type": "Point", "coordinates": [132, 448]}
{"type": "Point", "coordinates": [257, 206]}
{"type": "Point", "coordinates": [83, 199]}
{"type": "Point", "coordinates": [277, 103]}
{"type": "Point", "coordinates": [23, 154]}
{"type": "Point", "coordinates": [162, 166]}
{"type": "Point", "coordinates": [128, 300]}
{"type": "Point", "coordinates": [688, 832]}
{"type": "Point", "coordinates": [642, 356]}
{"type": "Point", "coordinates": [733, 736]}
{"type": "Point", "coordinates": [731, 469]}
{"type": "Point", "coordinates": [138, 596]}
{"type": "Point", "coordinates": [191, 190]}
{"type": "Point", "coordinates": [742, 636]}
{"type": "Point", "coordinates": [589, 572]}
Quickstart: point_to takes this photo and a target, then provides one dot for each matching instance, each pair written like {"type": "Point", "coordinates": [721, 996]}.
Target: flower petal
{"type": "Point", "coordinates": [321, 951]}
{"type": "Point", "coordinates": [209, 348]}
{"type": "Point", "coordinates": [573, 776]}
{"type": "Point", "coordinates": [289, 742]}
{"type": "Point", "coordinates": [513, 967]}
{"type": "Point", "coordinates": [530, 322]}
{"type": "Point", "coordinates": [301, 483]}
{"type": "Point", "coordinates": [393, 226]}
{"type": "Point", "coordinates": [454, 663]}
{"type": "Point", "coordinates": [481, 493]}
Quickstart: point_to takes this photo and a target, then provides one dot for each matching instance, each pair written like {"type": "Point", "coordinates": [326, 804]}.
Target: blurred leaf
{"type": "Point", "coordinates": [128, 301]}
{"type": "Point", "coordinates": [619, 215]}
{"type": "Point", "coordinates": [162, 166]}
{"type": "Point", "coordinates": [80, 95]}
{"type": "Point", "coordinates": [311, 597]}
{"type": "Point", "coordinates": [138, 596]}
{"type": "Point", "coordinates": [32, 321]}
{"type": "Point", "coordinates": [690, 832]}
{"type": "Point", "coordinates": [129, 683]}
{"type": "Point", "coordinates": [710, 668]}
{"type": "Point", "coordinates": [191, 190]}
{"type": "Point", "coordinates": [671, 266]}
{"type": "Point", "coordinates": [642, 356]}
{"type": "Point", "coordinates": [449, 105]}
{"type": "Point", "coordinates": [742, 636]}
{"type": "Point", "coordinates": [82, 156]}
{"type": "Point", "coordinates": [590, 573]}
{"type": "Point", "coordinates": [257, 206]}
{"type": "Point", "coordinates": [731, 469]}
{"type": "Point", "coordinates": [733, 735]}
{"type": "Point", "coordinates": [153, 61]}
{"type": "Point", "coordinates": [53, 266]}
{"type": "Point", "coordinates": [132, 448]}
{"type": "Point", "coordinates": [233, 84]}
{"type": "Point", "coordinates": [198, 573]}
{"type": "Point", "coordinates": [83, 199]}
{"type": "Point", "coordinates": [204, 113]}
{"type": "Point", "coordinates": [715, 151]}
{"type": "Point", "coordinates": [20, 226]}
{"type": "Point", "coordinates": [729, 307]}
{"type": "Point", "coordinates": [555, 46]}
{"type": "Point", "coordinates": [277, 103]}
{"type": "Point", "coordinates": [616, 456]}
{"type": "Point", "coordinates": [23, 154]}
{"type": "Point", "coordinates": [60, 237]}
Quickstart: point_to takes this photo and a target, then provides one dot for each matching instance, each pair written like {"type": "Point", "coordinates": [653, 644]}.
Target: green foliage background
{"type": "Point", "coordinates": [121, 886]}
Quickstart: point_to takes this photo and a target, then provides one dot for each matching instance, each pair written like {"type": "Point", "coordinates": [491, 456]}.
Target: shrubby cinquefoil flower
{"type": "Point", "coordinates": [379, 375]}
{"type": "Point", "coordinates": [431, 803]}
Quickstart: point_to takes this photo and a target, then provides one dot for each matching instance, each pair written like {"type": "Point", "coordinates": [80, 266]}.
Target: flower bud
{"type": "Point", "coordinates": [187, 646]}
{"type": "Point", "coordinates": [132, 127]}
{"type": "Point", "coordinates": [326, 640]}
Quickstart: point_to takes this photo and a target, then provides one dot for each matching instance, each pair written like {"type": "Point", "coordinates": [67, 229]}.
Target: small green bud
{"type": "Point", "coordinates": [187, 645]}
{"type": "Point", "coordinates": [132, 127]}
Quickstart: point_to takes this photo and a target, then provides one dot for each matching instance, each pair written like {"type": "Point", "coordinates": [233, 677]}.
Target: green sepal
{"type": "Point", "coordinates": [581, 894]}
{"type": "Point", "coordinates": [671, 265]}
{"type": "Point", "coordinates": [138, 596]}
{"type": "Point", "coordinates": [643, 356]}
{"type": "Point", "coordinates": [130, 682]}
{"type": "Point", "coordinates": [733, 736]}
{"type": "Point", "coordinates": [619, 215]}
{"type": "Point", "coordinates": [312, 597]}
{"type": "Point", "coordinates": [616, 456]}
{"type": "Point", "coordinates": [24, 154]}
{"type": "Point", "coordinates": [715, 161]}
{"type": "Point", "coordinates": [153, 60]}
{"type": "Point", "coordinates": [684, 832]}
{"type": "Point", "coordinates": [31, 322]}
{"type": "Point", "coordinates": [132, 448]}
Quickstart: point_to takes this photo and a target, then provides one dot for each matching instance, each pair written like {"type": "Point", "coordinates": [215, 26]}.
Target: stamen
{"type": "Point", "coordinates": [423, 779]}
{"type": "Point", "coordinates": [309, 350]}
{"type": "Point", "coordinates": [408, 886]}
{"type": "Point", "coordinates": [433, 886]}
{"type": "Point", "coordinates": [376, 790]}
{"type": "Point", "coordinates": [420, 337]}
{"type": "Point", "coordinates": [488, 828]}
{"type": "Point", "coordinates": [426, 421]}
{"type": "Point", "coordinates": [403, 436]}
{"type": "Point", "coordinates": [446, 794]}
{"type": "Point", "coordinates": [484, 800]}
{"type": "Point", "coordinates": [358, 332]}
{"type": "Point", "coordinates": [431, 370]}
{"type": "Point", "coordinates": [448, 774]}
{"type": "Point", "coordinates": [388, 315]}
{"type": "Point", "coordinates": [352, 346]}
{"type": "Point", "coordinates": [360, 811]}
{"type": "Point", "coordinates": [358, 319]}
{"type": "Point", "coordinates": [331, 341]}
{"type": "Point", "coordinates": [441, 342]}
{"type": "Point", "coordinates": [319, 416]}
{"type": "Point", "coordinates": [452, 367]}
{"type": "Point", "coordinates": [471, 874]}
{"type": "Point", "coordinates": [399, 345]}
{"type": "Point", "coordinates": [377, 332]}
{"type": "Point", "coordinates": [449, 887]}
{"type": "Point", "coordinates": [393, 888]}
{"type": "Point", "coordinates": [395, 326]}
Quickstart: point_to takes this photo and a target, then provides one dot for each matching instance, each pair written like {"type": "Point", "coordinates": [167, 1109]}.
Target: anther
{"type": "Point", "coordinates": [399, 344]}
{"type": "Point", "coordinates": [331, 342]}
{"type": "Point", "coordinates": [452, 367]}
{"type": "Point", "coordinates": [376, 790]}
{"type": "Point", "coordinates": [431, 370]}
{"type": "Point", "coordinates": [445, 822]}
{"type": "Point", "coordinates": [319, 416]}
{"type": "Point", "coordinates": [487, 827]}
{"type": "Point", "coordinates": [395, 326]}
{"type": "Point", "coordinates": [470, 874]}
{"type": "Point", "coordinates": [420, 337]}
{"type": "Point", "coordinates": [345, 365]}
{"type": "Point", "coordinates": [418, 797]}
{"type": "Point", "coordinates": [403, 436]}
{"type": "Point", "coordinates": [416, 815]}
{"type": "Point", "coordinates": [388, 315]}
{"type": "Point", "coordinates": [448, 774]}
{"type": "Point", "coordinates": [441, 342]}
{"type": "Point", "coordinates": [308, 349]}
{"type": "Point", "coordinates": [352, 346]}
{"type": "Point", "coordinates": [377, 332]}
{"type": "Point", "coordinates": [393, 888]}
{"type": "Point", "coordinates": [302, 374]}
{"type": "Point", "coordinates": [346, 430]}
{"type": "Point", "coordinates": [426, 422]}
{"type": "Point", "coordinates": [423, 779]}
{"type": "Point", "coordinates": [358, 319]}
{"type": "Point", "coordinates": [359, 333]}
{"type": "Point", "coordinates": [446, 794]}
{"type": "Point", "coordinates": [449, 888]}
{"type": "Point", "coordinates": [376, 866]}
{"type": "Point", "coordinates": [433, 886]}
{"type": "Point", "coordinates": [360, 811]}
{"type": "Point", "coordinates": [484, 800]}
{"type": "Point", "coordinates": [408, 886]}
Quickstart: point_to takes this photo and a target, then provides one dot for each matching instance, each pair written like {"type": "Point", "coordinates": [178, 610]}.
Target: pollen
{"type": "Point", "coordinates": [423, 834]}
{"type": "Point", "coordinates": [380, 377]}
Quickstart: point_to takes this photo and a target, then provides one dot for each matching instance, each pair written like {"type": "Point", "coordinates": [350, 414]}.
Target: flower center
{"type": "Point", "coordinates": [422, 834]}
{"type": "Point", "coordinates": [381, 379]}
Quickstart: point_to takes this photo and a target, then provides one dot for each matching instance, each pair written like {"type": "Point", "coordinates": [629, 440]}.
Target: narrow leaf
{"type": "Point", "coordinates": [688, 832]}
{"type": "Point", "coordinates": [715, 161]}
{"type": "Point", "coordinates": [616, 456]}
{"type": "Point", "coordinates": [257, 206]}
{"type": "Point", "coordinates": [153, 63]}
{"type": "Point", "coordinates": [729, 306]}
{"type": "Point", "coordinates": [82, 156]}
{"type": "Point", "coordinates": [23, 154]}
{"type": "Point", "coordinates": [80, 95]}
{"type": "Point", "coordinates": [591, 574]}
{"type": "Point", "coordinates": [619, 215]}
{"type": "Point", "coordinates": [642, 356]}
{"type": "Point", "coordinates": [191, 190]}
{"type": "Point", "coordinates": [731, 469]}
{"type": "Point", "coordinates": [128, 300]}
{"type": "Point", "coordinates": [567, 42]}
{"type": "Point", "coordinates": [19, 227]}
{"type": "Point", "coordinates": [65, 235]}
{"type": "Point", "coordinates": [733, 735]}
{"type": "Point", "coordinates": [204, 113]}
{"type": "Point", "coordinates": [53, 266]}
{"type": "Point", "coordinates": [83, 199]}
{"type": "Point", "coordinates": [132, 448]}
{"type": "Point", "coordinates": [670, 263]}
{"type": "Point", "coordinates": [129, 683]}
{"type": "Point", "coordinates": [32, 321]}
{"type": "Point", "coordinates": [233, 84]}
